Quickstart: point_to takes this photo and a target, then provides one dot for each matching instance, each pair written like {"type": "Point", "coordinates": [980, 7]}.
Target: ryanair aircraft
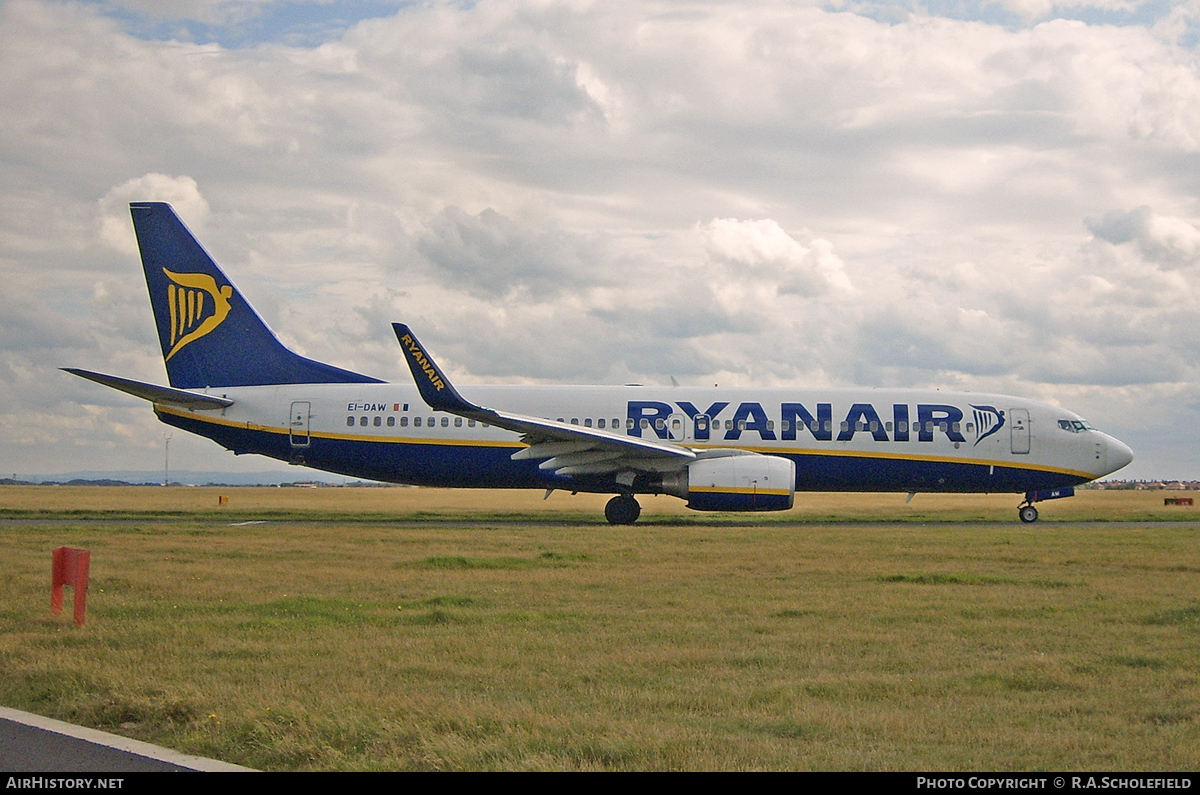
{"type": "Point", "coordinates": [720, 449]}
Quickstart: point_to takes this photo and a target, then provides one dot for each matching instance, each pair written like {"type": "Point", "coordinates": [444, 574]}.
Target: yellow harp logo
{"type": "Point", "coordinates": [192, 314]}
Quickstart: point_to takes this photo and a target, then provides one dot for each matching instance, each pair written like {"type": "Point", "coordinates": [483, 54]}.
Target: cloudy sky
{"type": "Point", "coordinates": [996, 196]}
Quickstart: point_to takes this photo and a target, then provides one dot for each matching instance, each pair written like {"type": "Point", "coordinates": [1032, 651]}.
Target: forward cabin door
{"type": "Point", "coordinates": [298, 423]}
{"type": "Point", "coordinates": [1019, 424]}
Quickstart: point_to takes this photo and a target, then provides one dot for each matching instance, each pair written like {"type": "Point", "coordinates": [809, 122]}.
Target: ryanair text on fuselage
{"type": "Point", "coordinates": [797, 419]}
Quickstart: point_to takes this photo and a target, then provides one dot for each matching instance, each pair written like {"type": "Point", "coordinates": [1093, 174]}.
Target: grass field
{"type": "Point", "coordinates": [942, 635]}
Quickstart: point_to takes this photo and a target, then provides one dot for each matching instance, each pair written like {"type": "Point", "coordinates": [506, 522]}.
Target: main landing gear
{"type": "Point", "coordinates": [1028, 514]}
{"type": "Point", "coordinates": [622, 509]}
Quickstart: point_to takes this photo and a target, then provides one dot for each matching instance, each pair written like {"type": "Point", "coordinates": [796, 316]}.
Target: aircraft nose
{"type": "Point", "coordinates": [1119, 454]}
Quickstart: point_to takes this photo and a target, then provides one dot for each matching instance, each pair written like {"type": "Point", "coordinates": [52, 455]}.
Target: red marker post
{"type": "Point", "coordinates": [70, 568]}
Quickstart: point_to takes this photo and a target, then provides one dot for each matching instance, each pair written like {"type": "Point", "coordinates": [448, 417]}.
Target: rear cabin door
{"type": "Point", "coordinates": [298, 423]}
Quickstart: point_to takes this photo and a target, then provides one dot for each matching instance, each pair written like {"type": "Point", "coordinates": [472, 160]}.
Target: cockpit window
{"type": "Point", "coordinates": [1075, 426]}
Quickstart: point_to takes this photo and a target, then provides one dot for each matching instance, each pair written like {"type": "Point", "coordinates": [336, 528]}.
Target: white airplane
{"type": "Point", "coordinates": [721, 449]}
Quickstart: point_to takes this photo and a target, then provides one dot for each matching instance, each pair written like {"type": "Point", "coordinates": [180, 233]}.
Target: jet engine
{"type": "Point", "coordinates": [735, 483]}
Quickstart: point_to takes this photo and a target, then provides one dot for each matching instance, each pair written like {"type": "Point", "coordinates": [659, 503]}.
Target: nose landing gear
{"type": "Point", "coordinates": [1028, 513]}
{"type": "Point", "coordinates": [622, 509]}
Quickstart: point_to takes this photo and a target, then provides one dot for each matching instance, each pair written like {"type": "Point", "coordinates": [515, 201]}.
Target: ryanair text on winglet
{"type": "Point", "coordinates": [415, 352]}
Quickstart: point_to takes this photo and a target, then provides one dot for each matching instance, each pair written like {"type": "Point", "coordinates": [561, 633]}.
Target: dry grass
{"type": "Point", "coordinates": [530, 645]}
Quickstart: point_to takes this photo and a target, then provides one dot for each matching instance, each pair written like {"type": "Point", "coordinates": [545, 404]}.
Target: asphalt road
{"type": "Point", "coordinates": [33, 744]}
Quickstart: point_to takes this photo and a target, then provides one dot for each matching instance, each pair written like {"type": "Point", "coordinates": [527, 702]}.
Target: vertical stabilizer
{"type": "Point", "coordinates": [210, 335]}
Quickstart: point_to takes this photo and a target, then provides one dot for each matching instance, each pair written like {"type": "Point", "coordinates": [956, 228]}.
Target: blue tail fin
{"type": "Point", "coordinates": [210, 336]}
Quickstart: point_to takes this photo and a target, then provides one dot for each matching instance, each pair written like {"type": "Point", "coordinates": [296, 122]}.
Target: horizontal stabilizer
{"type": "Point", "coordinates": [153, 392]}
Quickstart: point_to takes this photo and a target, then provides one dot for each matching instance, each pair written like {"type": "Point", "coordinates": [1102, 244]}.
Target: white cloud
{"type": "Point", "coordinates": [762, 249]}
{"type": "Point", "coordinates": [1168, 241]}
{"type": "Point", "coordinates": [182, 193]}
{"type": "Point", "coordinates": [617, 191]}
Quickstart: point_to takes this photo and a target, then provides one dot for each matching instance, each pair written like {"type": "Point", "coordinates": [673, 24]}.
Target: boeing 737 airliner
{"type": "Point", "coordinates": [721, 449]}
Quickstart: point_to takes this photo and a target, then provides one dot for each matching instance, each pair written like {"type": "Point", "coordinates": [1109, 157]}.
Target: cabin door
{"type": "Point", "coordinates": [677, 427]}
{"type": "Point", "coordinates": [298, 423]}
{"type": "Point", "coordinates": [1019, 423]}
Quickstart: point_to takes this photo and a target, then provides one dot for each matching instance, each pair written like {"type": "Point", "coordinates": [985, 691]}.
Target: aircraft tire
{"type": "Point", "coordinates": [622, 509]}
{"type": "Point", "coordinates": [1028, 514]}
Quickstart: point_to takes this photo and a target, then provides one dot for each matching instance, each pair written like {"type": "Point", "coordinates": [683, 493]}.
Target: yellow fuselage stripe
{"type": "Point", "coordinates": [796, 451]}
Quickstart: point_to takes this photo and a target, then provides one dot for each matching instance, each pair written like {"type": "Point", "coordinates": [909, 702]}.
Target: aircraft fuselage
{"type": "Point", "coordinates": [839, 439]}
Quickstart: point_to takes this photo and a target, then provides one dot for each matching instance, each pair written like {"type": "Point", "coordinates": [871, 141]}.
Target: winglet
{"type": "Point", "coordinates": [435, 388]}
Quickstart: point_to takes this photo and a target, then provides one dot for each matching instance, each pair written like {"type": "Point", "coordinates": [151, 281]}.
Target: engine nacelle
{"type": "Point", "coordinates": [738, 483]}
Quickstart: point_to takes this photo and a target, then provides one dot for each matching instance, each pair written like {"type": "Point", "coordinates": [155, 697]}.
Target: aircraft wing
{"type": "Point", "coordinates": [569, 449]}
{"type": "Point", "coordinates": [153, 392]}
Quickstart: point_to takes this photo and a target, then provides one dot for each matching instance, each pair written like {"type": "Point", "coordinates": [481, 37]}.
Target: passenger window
{"type": "Point", "coordinates": [874, 426]}
{"type": "Point", "coordinates": [574, 420]}
{"type": "Point", "coordinates": [445, 422]}
{"type": "Point", "coordinates": [470, 423]}
{"type": "Point", "coordinates": [845, 426]}
{"type": "Point", "coordinates": [954, 427]}
{"type": "Point", "coordinates": [600, 423]}
{"type": "Point", "coordinates": [902, 426]}
{"type": "Point", "coordinates": [770, 425]}
{"type": "Point", "coordinates": [887, 426]}
{"type": "Point", "coordinates": [391, 422]}
{"type": "Point", "coordinates": [458, 422]}
{"type": "Point", "coordinates": [362, 421]}
{"type": "Point", "coordinates": [645, 422]}
{"type": "Point", "coordinates": [741, 425]}
{"type": "Point", "coordinates": [729, 425]}
{"type": "Point", "coordinates": [404, 422]}
{"type": "Point", "coordinates": [784, 425]}
{"type": "Point", "coordinates": [350, 422]}
{"type": "Point", "coordinates": [629, 423]}
{"type": "Point", "coordinates": [378, 421]}
{"type": "Point", "coordinates": [587, 423]}
{"type": "Point", "coordinates": [416, 422]}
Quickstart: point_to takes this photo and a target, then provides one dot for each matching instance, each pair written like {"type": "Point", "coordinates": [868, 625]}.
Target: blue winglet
{"type": "Point", "coordinates": [435, 388]}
